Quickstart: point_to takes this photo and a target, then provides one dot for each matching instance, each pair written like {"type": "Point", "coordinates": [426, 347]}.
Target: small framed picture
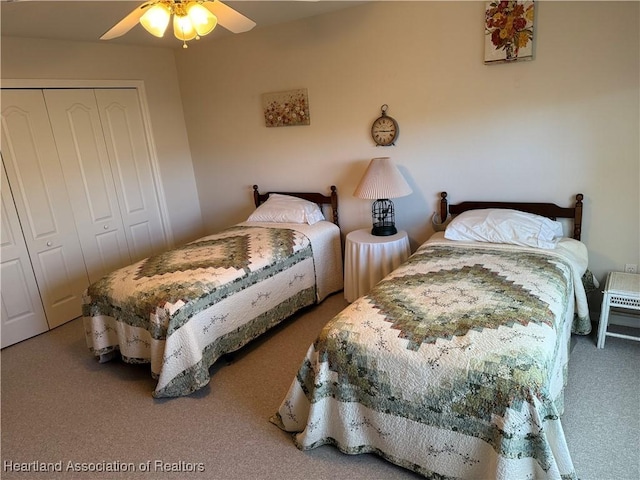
{"type": "Point", "coordinates": [286, 109]}
{"type": "Point", "coordinates": [508, 31]}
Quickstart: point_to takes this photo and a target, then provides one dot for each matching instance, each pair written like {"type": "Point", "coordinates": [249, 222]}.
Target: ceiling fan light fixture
{"type": "Point", "coordinates": [154, 15]}
{"type": "Point", "coordinates": [156, 19]}
{"type": "Point", "coordinates": [183, 29]}
{"type": "Point", "coordinates": [201, 18]}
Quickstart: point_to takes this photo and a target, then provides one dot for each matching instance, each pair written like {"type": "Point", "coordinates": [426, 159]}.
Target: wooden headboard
{"type": "Point", "coordinates": [319, 198]}
{"type": "Point", "coordinates": [550, 210]}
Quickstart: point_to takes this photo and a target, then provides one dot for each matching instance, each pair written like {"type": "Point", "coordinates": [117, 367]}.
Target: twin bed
{"type": "Point", "coordinates": [454, 365]}
{"type": "Point", "coordinates": [183, 309]}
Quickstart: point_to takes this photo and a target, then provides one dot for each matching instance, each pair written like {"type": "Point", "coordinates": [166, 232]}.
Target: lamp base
{"type": "Point", "coordinates": [383, 230]}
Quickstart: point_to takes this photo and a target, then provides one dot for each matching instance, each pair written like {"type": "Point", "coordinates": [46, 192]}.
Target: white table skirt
{"type": "Point", "coordinates": [369, 258]}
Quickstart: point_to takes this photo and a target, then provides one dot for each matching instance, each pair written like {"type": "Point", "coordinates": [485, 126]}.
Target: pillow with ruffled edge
{"type": "Point", "coordinates": [498, 225]}
{"type": "Point", "coordinates": [287, 209]}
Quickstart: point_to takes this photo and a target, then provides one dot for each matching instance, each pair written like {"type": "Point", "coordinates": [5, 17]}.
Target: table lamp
{"type": "Point", "coordinates": [380, 182]}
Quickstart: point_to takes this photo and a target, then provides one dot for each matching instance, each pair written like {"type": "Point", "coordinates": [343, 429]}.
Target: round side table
{"type": "Point", "coordinates": [368, 258]}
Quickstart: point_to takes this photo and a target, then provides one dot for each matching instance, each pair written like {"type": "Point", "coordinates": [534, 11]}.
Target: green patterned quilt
{"type": "Point", "coordinates": [453, 366]}
{"type": "Point", "coordinates": [183, 309]}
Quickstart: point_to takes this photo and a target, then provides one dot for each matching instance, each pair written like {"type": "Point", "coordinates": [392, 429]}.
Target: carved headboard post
{"type": "Point", "coordinates": [334, 204]}
{"type": "Point", "coordinates": [444, 207]}
{"type": "Point", "coordinates": [256, 196]}
{"type": "Point", "coordinates": [577, 218]}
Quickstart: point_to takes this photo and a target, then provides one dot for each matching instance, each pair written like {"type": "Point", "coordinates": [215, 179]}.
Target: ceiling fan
{"type": "Point", "coordinates": [192, 19]}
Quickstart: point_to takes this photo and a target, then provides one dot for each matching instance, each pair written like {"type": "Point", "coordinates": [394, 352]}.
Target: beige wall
{"type": "Point", "coordinates": [565, 123]}
{"type": "Point", "coordinates": [32, 59]}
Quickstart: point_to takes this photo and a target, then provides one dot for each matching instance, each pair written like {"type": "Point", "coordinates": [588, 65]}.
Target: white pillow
{"type": "Point", "coordinates": [286, 209]}
{"type": "Point", "coordinates": [499, 225]}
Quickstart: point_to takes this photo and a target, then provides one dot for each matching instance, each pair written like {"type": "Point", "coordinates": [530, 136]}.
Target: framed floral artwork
{"type": "Point", "coordinates": [508, 31]}
{"type": "Point", "coordinates": [285, 109]}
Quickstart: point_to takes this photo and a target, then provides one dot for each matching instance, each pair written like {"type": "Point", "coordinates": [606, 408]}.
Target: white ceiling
{"type": "Point", "coordinates": [87, 20]}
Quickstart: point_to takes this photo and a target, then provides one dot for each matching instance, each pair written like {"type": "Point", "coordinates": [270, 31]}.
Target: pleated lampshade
{"type": "Point", "coordinates": [382, 181]}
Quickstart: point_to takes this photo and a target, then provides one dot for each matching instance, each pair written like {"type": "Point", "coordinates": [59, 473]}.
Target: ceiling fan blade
{"type": "Point", "coordinates": [229, 18]}
{"type": "Point", "coordinates": [127, 23]}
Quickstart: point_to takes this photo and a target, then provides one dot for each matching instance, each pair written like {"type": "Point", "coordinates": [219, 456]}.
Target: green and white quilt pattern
{"type": "Point", "coordinates": [453, 367]}
{"type": "Point", "coordinates": [182, 309]}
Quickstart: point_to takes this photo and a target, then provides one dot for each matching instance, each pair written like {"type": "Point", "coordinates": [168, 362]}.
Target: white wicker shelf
{"type": "Point", "coordinates": [621, 290]}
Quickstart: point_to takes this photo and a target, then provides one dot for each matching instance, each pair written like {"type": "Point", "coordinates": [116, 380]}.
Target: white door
{"type": "Point", "coordinates": [41, 199]}
{"type": "Point", "coordinates": [22, 312]}
{"type": "Point", "coordinates": [128, 149]}
{"type": "Point", "coordinates": [83, 155]}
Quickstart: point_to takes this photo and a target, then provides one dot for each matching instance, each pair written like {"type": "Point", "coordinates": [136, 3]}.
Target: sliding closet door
{"type": "Point", "coordinates": [41, 199]}
{"type": "Point", "coordinates": [128, 149]}
{"type": "Point", "coordinates": [83, 155]}
{"type": "Point", "coordinates": [22, 312]}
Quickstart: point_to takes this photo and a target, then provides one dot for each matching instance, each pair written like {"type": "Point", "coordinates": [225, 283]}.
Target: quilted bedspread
{"type": "Point", "coordinates": [183, 309]}
{"type": "Point", "coordinates": [453, 366]}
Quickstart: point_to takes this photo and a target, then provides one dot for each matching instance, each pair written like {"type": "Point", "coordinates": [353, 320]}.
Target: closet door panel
{"type": "Point", "coordinates": [29, 152]}
{"type": "Point", "coordinates": [58, 272]}
{"type": "Point", "coordinates": [83, 155]}
{"type": "Point", "coordinates": [42, 203]}
{"type": "Point", "coordinates": [126, 142]}
{"type": "Point", "coordinates": [22, 314]}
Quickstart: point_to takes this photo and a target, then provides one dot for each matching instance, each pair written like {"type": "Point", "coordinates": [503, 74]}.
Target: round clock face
{"type": "Point", "coordinates": [384, 131]}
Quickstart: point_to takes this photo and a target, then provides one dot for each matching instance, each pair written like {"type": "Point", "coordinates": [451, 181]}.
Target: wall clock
{"type": "Point", "coordinates": [384, 130]}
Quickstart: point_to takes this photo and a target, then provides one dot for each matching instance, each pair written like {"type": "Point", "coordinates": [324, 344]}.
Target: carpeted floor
{"type": "Point", "coordinates": [60, 406]}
